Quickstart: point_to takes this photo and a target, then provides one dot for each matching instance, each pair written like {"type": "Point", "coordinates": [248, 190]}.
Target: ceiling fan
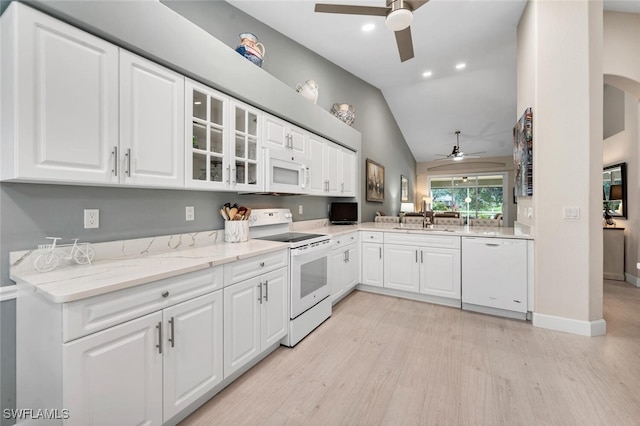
{"type": "Point", "coordinates": [456, 154]}
{"type": "Point", "coordinates": [398, 13]}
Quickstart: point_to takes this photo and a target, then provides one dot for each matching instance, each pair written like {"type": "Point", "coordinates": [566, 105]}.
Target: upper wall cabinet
{"type": "Point", "coordinates": [222, 141]}
{"type": "Point", "coordinates": [282, 135]}
{"type": "Point", "coordinates": [150, 152]}
{"type": "Point", "coordinates": [60, 121]}
{"type": "Point", "coordinates": [332, 168]}
{"type": "Point", "coordinates": [59, 100]}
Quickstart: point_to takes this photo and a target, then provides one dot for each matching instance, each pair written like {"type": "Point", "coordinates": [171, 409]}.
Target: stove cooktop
{"type": "Point", "coordinates": [290, 237]}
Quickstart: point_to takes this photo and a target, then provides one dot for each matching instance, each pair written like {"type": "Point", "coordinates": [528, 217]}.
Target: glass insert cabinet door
{"type": "Point", "coordinates": [245, 149]}
{"type": "Point", "coordinates": [207, 127]}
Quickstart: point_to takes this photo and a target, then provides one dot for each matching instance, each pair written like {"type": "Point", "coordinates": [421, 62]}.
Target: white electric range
{"type": "Point", "coordinates": [309, 289]}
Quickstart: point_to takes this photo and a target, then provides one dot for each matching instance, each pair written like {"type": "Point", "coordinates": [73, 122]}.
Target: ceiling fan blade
{"type": "Point", "coordinates": [416, 3]}
{"type": "Point", "coordinates": [405, 44]}
{"type": "Point", "coordinates": [351, 10]}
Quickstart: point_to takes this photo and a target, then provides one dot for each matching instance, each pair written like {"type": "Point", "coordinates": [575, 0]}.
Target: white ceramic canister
{"type": "Point", "coordinates": [309, 90]}
{"type": "Point", "coordinates": [236, 231]}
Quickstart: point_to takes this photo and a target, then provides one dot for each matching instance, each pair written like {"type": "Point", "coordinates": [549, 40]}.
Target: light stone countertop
{"type": "Point", "coordinates": [74, 282]}
{"type": "Point", "coordinates": [127, 263]}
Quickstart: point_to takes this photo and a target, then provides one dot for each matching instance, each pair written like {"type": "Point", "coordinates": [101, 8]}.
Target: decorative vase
{"type": "Point", "coordinates": [308, 90]}
{"type": "Point", "coordinates": [344, 112]}
{"type": "Point", "coordinates": [251, 48]}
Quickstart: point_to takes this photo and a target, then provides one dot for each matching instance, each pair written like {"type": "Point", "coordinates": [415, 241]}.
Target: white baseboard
{"type": "Point", "coordinates": [569, 325]}
{"type": "Point", "coordinates": [8, 292]}
{"type": "Point", "coordinates": [632, 279]}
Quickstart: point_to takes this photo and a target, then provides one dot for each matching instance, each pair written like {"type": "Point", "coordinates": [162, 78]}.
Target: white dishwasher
{"type": "Point", "coordinates": [494, 276]}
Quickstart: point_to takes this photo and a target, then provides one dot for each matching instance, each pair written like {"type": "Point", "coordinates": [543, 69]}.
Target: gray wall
{"type": "Point", "coordinates": [29, 212]}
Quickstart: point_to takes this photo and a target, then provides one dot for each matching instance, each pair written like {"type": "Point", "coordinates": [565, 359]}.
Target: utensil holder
{"type": "Point", "coordinates": [236, 231]}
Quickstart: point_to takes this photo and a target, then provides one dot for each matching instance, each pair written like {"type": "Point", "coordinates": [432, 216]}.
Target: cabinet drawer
{"type": "Point", "coordinates": [429, 240]}
{"type": "Point", "coordinates": [253, 266]}
{"type": "Point", "coordinates": [344, 240]}
{"type": "Point", "coordinates": [86, 316]}
{"type": "Point", "coordinates": [372, 237]}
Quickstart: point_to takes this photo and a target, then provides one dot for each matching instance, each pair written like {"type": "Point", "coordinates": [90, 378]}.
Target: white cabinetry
{"type": "Point", "coordinates": [343, 265]}
{"type": "Point", "coordinates": [372, 258]}
{"type": "Point", "coordinates": [149, 350]}
{"type": "Point", "coordinates": [255, 317]}
{"type": "Point", "coordinates": [332, 168]}
{"type": "Point", "coordinates": [282, 135]}
{"type": "Point", "coordinates": [150, 152]}
{"type": "Point", "coordinates": [426, 264]}
{"type": "Point", "coordinates": [222, 150]}
{"type": "Point", "coordinates": [76, 109]}
{"type": "Point", "coordinates": [59, 100]}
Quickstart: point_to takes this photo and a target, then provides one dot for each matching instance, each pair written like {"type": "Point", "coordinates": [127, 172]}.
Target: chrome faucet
{"type": "Point", "coordinates": [424, 214]}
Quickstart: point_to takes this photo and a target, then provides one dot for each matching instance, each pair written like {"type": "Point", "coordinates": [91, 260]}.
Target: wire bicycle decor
{"type": "Point", "coordinates": [49, 257]}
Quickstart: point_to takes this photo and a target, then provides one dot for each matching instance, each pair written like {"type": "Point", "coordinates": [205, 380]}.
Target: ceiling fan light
{"type": "Point", "coordinates": [399, 19]}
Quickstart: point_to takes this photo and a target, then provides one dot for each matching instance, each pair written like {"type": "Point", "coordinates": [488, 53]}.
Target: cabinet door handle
{"type": "Point", "coordinates": [416, 256]}
{"type": "Point", "coordinates": [114, 170]}
{"type": "Point", "coordinates": [266, 291]}
{"type": "Point", "coordinates": [228, 174]}
{"type": "Point", "coordinates": [172, 333]}
{"type": "Point", "coordinates": [128, 155]}
{"type": "Point", "coordinates": [348, 256]}
{"type": "Point", "coordinates": [380, 252]}
{"type": "Point", "coordinates": [159, 345]}
{"type": "Point", "coordinates": [260, 298]}
{"type": "Point", "coordinates": [232, 175]}
{"type": "Point", "coordinates": [421, 256]}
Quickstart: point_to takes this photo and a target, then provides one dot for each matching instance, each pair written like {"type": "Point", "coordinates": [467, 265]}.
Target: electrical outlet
{"type": "Point", "coordinates": [190, 213]}
{"type": "Point", "coordinates": [91, 218]}
{"type": "Point", "coordinates": [300, 209]}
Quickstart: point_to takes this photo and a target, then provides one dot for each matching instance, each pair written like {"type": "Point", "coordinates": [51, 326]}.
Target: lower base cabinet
{"type": "Point", "coordinates": [255, 317]}
{"type": "Point", "coordinates": [343, 265]}
{"type": "Point", "coordinates": [147, 369]}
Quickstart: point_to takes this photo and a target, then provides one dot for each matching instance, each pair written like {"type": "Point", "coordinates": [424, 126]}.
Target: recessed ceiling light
{"type": "Point", "coordinates": [368, 27]}
{"type": "Point", "coordinates": [461, 66]}
{"type": "Point", "coordinates": [427, 74]}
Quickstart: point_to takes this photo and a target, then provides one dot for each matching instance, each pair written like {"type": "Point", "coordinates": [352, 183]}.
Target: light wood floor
{"type": "Point", "coordinates": [384, 360]}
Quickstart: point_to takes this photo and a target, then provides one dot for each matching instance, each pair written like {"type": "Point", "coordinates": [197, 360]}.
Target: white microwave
{"type": "Point", "coordinates": [285, 172]}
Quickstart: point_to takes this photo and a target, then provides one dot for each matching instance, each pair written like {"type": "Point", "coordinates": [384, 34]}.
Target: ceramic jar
{"type": "Point", "coordinates": [344, 112]}
{"type": "Point", "coordinates": [236, 231]}
{"type": "Point", "coordinates": [308, 90]}
{"type": "Point", "coordinates": [251, 48]}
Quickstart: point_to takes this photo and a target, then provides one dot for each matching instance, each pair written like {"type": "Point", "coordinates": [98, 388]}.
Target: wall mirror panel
{"type": "Point", "coordinates": [614, 190]}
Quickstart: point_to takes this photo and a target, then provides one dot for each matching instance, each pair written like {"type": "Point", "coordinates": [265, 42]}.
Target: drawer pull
{"type": "Point", "coordinates": [172, 334]}
{"type": "Point", "coordinates": [165, 294]}
{"type": "Point", "coordinates": [262, 264]}
{"type": "Point", "coordinates": [159, 345]}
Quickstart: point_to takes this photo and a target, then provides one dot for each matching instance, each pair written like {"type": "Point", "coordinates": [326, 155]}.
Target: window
{"type": "Point", "coordinates": [475, 197]}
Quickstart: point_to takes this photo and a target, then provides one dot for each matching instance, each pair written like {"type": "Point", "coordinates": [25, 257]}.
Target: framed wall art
{"type": "Point", "coordinates": [375, 181]}
{"type": "Point", "coordinates": [404, 189]}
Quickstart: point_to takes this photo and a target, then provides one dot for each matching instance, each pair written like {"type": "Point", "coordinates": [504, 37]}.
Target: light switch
{"type": "Point", "coordinates": [571, 212]}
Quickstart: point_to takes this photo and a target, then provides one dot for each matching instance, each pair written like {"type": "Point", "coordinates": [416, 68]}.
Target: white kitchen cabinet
{"type": "Point", "coordinates": [426, 264]}
{"type": "Point", "coordinates": [255, 317]}
{"type": "Point", "coordinates": [280, 134]}
{"type": "Point", "coordinates": [222, 142]}
{"type": "Point", "coordinates": [372, 258]}
{"type": "Point", "coordinates": [148, 350]}
{"type": "Point", "coordinates": [246, 163]}
{"type": "Point", "coordinates": [114, 376]}
{"type": "Point", "coordinates": [440, 272]}
{"type": "Point", "coordinates": [331, 169]}
{"type": "Point", "coordinates": [192, 351]}
{"type": "Point", "coordinates": [59, 100]}
{"type": "Point", "coordinates": [348, 173]}
{"type": "Point", "coordinates": [150, 152]}
{"type": "Point", "coordinates": [402, 267]}
{"type": "Point", "coordinates": [343, 265]}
